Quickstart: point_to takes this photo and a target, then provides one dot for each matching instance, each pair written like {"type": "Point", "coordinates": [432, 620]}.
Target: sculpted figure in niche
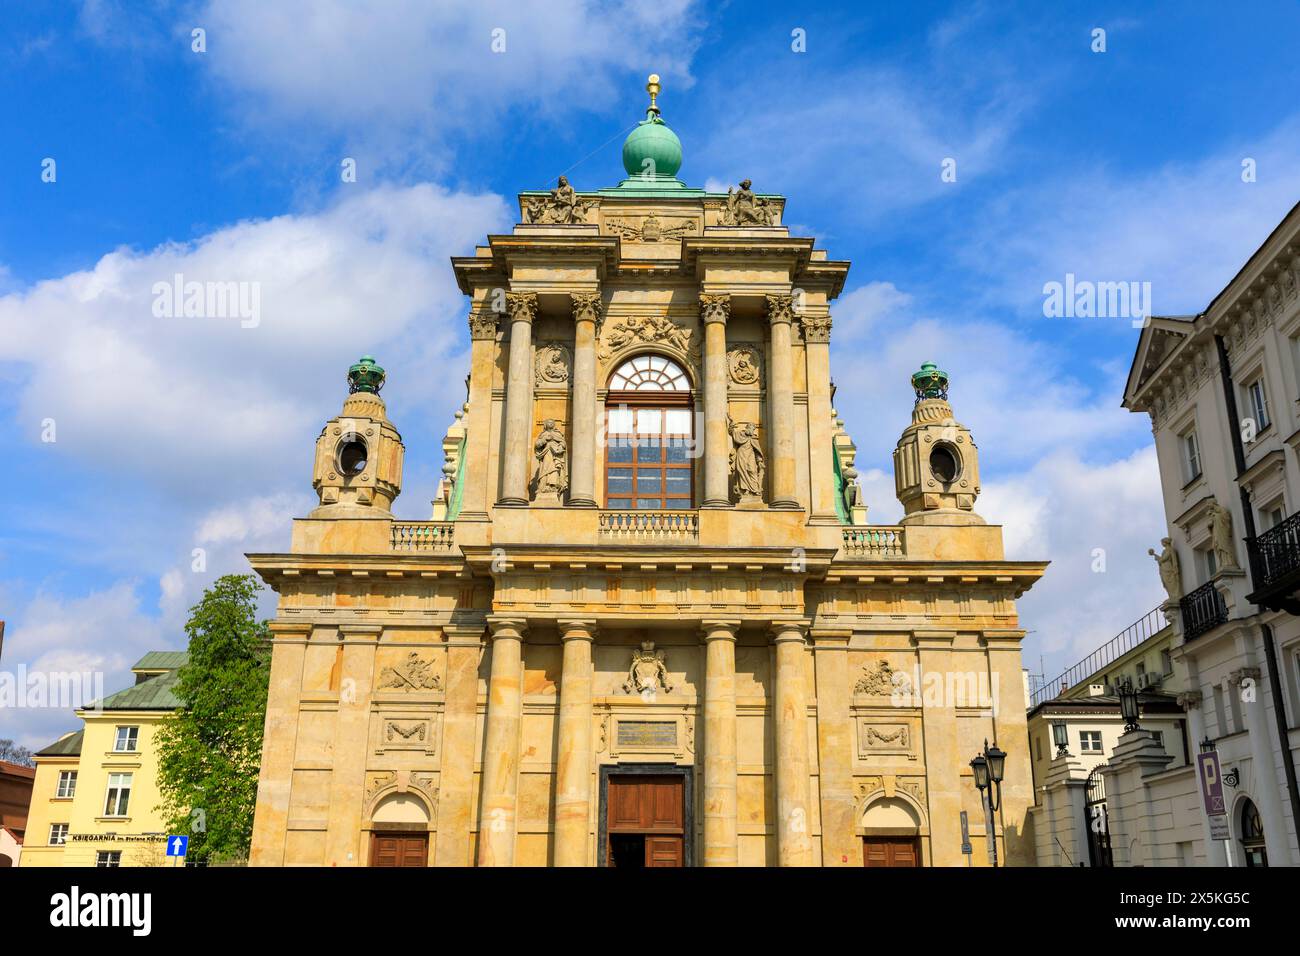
{"type": "Point", "coordinates": [1170, 572]}
{"type": "Point", "coordinates": [747, 465]}
{"type": "Point", "coordinates": [1225, 551]}
{"type": "Point", "coordinates": [551, 451]}
{"type": "Point", "coordinates": [744, 365]}
{"type": "Point", "coordinates": [746, 209]}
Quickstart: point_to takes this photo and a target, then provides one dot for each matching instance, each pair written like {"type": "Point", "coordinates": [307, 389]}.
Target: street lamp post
{"type": "Point", "coordinates": [1128, 706]}
{"type": "Point", "coordinates": [1061, 737]}
{"type": "Point", "coordinates": [988, 767]}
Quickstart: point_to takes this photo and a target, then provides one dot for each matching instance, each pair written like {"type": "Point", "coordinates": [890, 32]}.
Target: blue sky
{"type": "Point", "coordinates": [174, 434]}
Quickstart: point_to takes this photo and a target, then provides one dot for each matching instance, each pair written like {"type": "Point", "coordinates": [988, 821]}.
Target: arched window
{"type": "Point", "coordinates": [649, 436]}
{"type": "Point", "coordinates": [1252, 834]}
{"type": "Point", "coordinates": [649, 373]}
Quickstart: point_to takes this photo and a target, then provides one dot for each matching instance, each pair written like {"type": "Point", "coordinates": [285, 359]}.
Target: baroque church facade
{"type": "Point", "coordinates": [648, 623]}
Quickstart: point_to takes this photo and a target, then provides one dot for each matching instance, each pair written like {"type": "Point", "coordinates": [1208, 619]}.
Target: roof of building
{"type": "Point", "coordinates": [17, 836]}
{"type": "Point", "coordinates": [1148, 703]}
{"type": "Point", "coordinates": [69, 745]}
{"type": "Point", "coordinates": [17, 769]}
{"type": "Point", "coordinates": [155, 693]}
{"type": "Point", "coordinates": [161, 661]}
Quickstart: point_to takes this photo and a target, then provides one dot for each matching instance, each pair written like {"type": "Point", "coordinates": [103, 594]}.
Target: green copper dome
{"type": "Point", "coordinates": [930, 381]}
{"type": "Point", "coordinates": [365, 376]}
{"type": "Point", "coordinates": [652, 151]}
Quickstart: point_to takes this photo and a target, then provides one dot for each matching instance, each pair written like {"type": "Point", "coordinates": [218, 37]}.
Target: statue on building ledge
{"type": "Point", "coordinates": [746, 209]}
{"type": "Point", "coordinates": [746, 461]}
{"type": "Point", "coordinates": [551, 480]}
{"type": "Point", "coordinates": [1225, 551]}
{"type": "Point", "coordinates": [562, 207]}
{"type": "Point", "coordinates": [1170, 572]}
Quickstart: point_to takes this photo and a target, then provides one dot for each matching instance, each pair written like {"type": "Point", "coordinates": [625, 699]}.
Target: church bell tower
{"type": "Point", "coordinates": [936, 464]}
{"type": "Point", "coordinates": [358, 470]}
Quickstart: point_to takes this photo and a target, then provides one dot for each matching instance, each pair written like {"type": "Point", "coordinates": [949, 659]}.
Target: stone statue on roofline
{"type": "Point", "coordinates": [562, 207]}
{"type": "Point", "coordinates": [746, 209]}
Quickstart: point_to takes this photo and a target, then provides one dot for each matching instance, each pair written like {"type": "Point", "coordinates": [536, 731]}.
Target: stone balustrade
{"type": "Point", "coordinates": [423, 535]}
{"type": "Point", "coordinates": [874, 541]}
{"type": "Point", "coordinates": [667, 526]}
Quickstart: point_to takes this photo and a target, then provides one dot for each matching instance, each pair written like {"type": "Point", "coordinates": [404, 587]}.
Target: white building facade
{"type": "Point", "coordinates": [1222, 389]}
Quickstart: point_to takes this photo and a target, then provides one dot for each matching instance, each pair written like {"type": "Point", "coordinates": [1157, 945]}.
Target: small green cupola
{"type": "Point", "coordinates": [652, 155]}
{"type": "Point", "coordinates": [366, 376]}
{"type": "Point", "coordinates": [652, 151]}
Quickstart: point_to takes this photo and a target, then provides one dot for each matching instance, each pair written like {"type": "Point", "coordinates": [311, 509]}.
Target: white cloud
{"type": "Point", "coordinates": [413, 75]}
{"type": "Point", "coordinates": [103, 632]}
{"type": "Point", "coordinates": [203, 406]}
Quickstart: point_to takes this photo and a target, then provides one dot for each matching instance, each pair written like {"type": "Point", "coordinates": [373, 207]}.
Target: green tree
{"type": "Point", "coordinates": [210, 754]}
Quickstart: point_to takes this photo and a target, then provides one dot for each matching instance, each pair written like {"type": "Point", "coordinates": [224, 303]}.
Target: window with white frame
{"type": "Point", "coordinates": [1258, 397]}
{"type": "Point", "coordinates": [1272, 514]}
{"type": "Point", "coordinates": [127, 738]}
{"type": "Point", "coordinates": [67, 788]}
{"type": "Point", "coordinates": [1090, 741]}
{"type": "Point", "coordinates": [1166, 662]}
{"type": "Point", "coordinates": [1191, 451]}
{"type": "Point", "coordinates": [108, 858]}
{"type": "Point", "coordinates": [1206, 563]}
{"type": "Point", "coordinates": [118, 798]}
{"type": "Point", "coordinates": [58, 834]}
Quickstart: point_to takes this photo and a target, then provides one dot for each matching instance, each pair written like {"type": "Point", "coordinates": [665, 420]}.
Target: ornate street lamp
{"type": "Point", "coordinates": [1128, 706]}
{"type": "Point", "coordinates": [1061, 737]}
{"type": "Point", "coordinates": [987, 768]}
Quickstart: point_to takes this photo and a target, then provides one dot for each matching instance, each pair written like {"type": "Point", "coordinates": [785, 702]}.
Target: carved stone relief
{"type": "Point", "coordinates": [552, 364]}
{"type": "Point", "coordinates": [652, 329]}
{"type": "Point", "coordinates": [881, 680]}
{"type": "Point", "coordinates": [653, 229]}
{"type": "Point", "coordinates": [648, 672]}
{"type": "Point", "coordinates": [743, 364]}
{"type": "Point", "coordinates": [413, 674]}
{"type": "Point", "coordinates": [745, 209]}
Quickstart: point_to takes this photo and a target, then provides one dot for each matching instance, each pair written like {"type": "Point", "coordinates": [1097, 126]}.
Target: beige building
{"type": "Point", "coordinates": [95, 799]}
{"type": "Point", "coordinates": [648, 623]}
{"type": "Point", "coordinates": [1220, 388]}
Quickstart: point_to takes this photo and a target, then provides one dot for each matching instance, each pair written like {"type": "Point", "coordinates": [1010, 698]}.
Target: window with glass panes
{"type": "Point", "coordinates": [649, 431]}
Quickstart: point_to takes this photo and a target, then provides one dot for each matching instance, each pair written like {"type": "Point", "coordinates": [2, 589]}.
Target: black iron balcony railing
{"type": "Point", "coordinates": [1275, 554]}
{"type": "Point", "coordinates": [1202, 610]}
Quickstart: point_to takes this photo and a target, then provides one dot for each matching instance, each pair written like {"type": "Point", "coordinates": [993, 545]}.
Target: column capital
{"type": "Point", "coordinates": [783, 631]}
{"type": "Point", "coordinates": [572, 629]}
{"type": "Point", "coordinates": [464, 635]}
{"type": "Point", "coordinates": [1189, 700]}
{"type": "Point", "coordinates": [522, 306]}
{"type": "Point", "coordinates": [716, 630]}
{"type": "Point", "coordinates": [715, 308]}
{"type": "Point", "coordinates": [482, 324]}
{"type": "Point", "coordinates": [507, 627]}
{"type": "Point", "coordinates": [780, 309]}
{"type": "Point", "coordinates": [816, 328]}
{"type": "Point", "coordinates": [587, 306]}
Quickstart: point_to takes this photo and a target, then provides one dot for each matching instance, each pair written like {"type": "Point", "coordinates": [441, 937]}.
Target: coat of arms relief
{"type": "Point", "coordinates": [414, 673]}
{"type": "Point", "coordinates": [620, 334]}
{"type": "Point", "coordinates": [648, 672]}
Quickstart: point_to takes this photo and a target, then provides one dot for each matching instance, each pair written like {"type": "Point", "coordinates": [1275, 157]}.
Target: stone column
{"type": "Point", "coordinates": [714, 312]}
{"type": "Point", "coordinates": [1007, 690]}
{"type": "Point", "coordinates": [1191, 701]}
{"type": "Point", "coordinates": [351, 732]}
{"type": "Point", "coordinates": [582, 478]}
{"type": "Point", "coordinates": [780, 395]}
{"type": "Point", "coordinates": [1267, 788]}
{"type": "Point", "coordinates": [821, 436]}
{"type": "Point", "coordinates": [522, 307]}
{"type": "Point", "coordinates": [478, 419]}
{"type": "Point", "coordinates": [947, 769]}
{"type": "Point", "coordinates": [497, 810]}
{"type": "Point", "coordinates": [835, 747]}
{"type": "Point", "coordinates": [720, 839]}
{"type": "Point", "coordinates": [790, 710]}
{"type": "Point", "coordinates": [573, 756]}
{"type": "Point", "coordinates": [271, 816]}
{"type": "Point", "coordinates": [459, 750]}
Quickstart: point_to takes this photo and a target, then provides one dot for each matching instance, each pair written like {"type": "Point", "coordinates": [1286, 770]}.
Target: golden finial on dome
{"type": "Point", "coordinates": [652, 87]}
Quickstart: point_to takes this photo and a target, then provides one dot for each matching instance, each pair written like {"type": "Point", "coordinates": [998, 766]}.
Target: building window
{"type": "Point", "coordinates": [1166, 663]}
{"type": "Point", "coordinates": [58, 834]}
{"type": "Point", "coordinates": [67, 785]}
{"type": "Point", "coordinates": [1038, 748]}
{"type": "Point", "coordinates": [1090, 741]}
{"type": "Point", "coordinates": [1252, 835]}
{"type": "Point", "coordinates": [108, 858]}
{"type": "Point", "coordinates": [1191, 457]}
{"type": "Point", "coordinates": [1272, 514]}
{"type": "Point", "coordinates": [1159, 737]}
{"type": "Point", "coordinates": [1207, 563]}
{"type": "Point", "coordinates": [127, 738]}
{"type": "Point", "coordinates": [119, 795]}
{"type": "Point", "coordinates": [1259, 404]}
{"type": "Point", "coordinates": [649, 430]}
